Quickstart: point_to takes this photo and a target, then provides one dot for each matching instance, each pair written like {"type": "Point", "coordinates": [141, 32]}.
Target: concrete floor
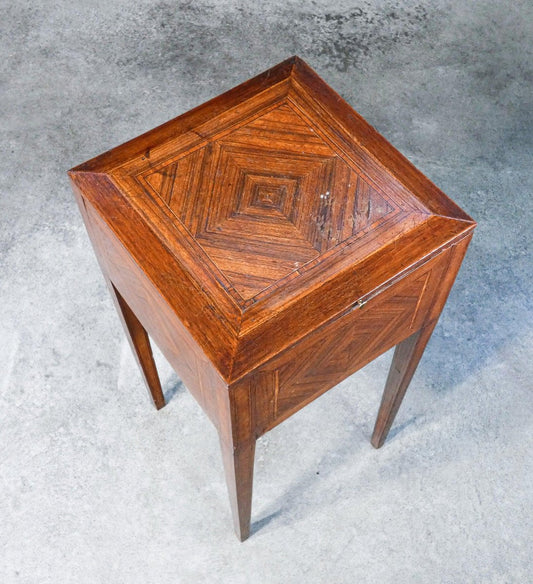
{"type": "Point", "coordinates": [95, 485]}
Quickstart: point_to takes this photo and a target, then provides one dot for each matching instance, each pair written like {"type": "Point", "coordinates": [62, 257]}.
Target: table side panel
{"type": "Point", "coordinates": [158, 318]}
{"type": "Point", "coordinates": [342, 346]}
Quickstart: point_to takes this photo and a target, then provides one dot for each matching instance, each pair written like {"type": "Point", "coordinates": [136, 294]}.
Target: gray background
{"type": "Point", "coordinates": [95, 485]}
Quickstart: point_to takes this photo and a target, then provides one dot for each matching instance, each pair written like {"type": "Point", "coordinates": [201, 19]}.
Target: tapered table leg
{"type": "Point", "coordinates": [239, 469]}
{"type": "Point", "coordinates": [140, 345]}
{"type": "Point", "coordinates": [404, 363]}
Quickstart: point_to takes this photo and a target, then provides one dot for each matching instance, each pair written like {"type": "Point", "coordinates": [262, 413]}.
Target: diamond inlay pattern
{"type": "Point", "coordinates": [251, 205]}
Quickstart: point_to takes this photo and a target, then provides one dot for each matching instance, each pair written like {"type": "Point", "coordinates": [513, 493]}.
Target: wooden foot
{"type": "Point", "coordinates": [404, 363]}
{"type": "Point", "coordinates": [239, 469]}
{"type": "Point", "coordinates": [140, 345]}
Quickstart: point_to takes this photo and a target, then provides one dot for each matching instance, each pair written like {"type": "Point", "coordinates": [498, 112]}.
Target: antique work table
{"type": "Point", "coordinates": [271, 243]}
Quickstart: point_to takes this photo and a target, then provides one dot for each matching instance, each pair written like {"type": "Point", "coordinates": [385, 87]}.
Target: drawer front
{"type": "Point", "coordinates": [339, 348]}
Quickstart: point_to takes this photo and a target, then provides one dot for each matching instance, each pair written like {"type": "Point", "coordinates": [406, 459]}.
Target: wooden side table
{"type": "Point", "coordinates": [271, 243]}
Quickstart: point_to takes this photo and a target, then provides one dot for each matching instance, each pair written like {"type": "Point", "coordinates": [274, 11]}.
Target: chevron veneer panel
{"type": "Point", "coordinates": [322, 359]}
{"type": "Point", "coordinates": [259, 213]}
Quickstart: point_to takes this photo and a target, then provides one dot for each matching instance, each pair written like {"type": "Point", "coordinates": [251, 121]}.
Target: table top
{"type": "Point", "coordinates": [278, 204]}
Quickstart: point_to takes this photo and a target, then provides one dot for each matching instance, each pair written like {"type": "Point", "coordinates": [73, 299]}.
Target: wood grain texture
{"type": "Point", "coordinates": [140, 345]}
{"type": "Point", "coordinates": [271, 242]}
{"type": "Point", "coordinates": [260, 214]}
{"type": "Point", "coordinates": [404, 363]}
{"type": "Point", "coordinates": [239, 468]}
